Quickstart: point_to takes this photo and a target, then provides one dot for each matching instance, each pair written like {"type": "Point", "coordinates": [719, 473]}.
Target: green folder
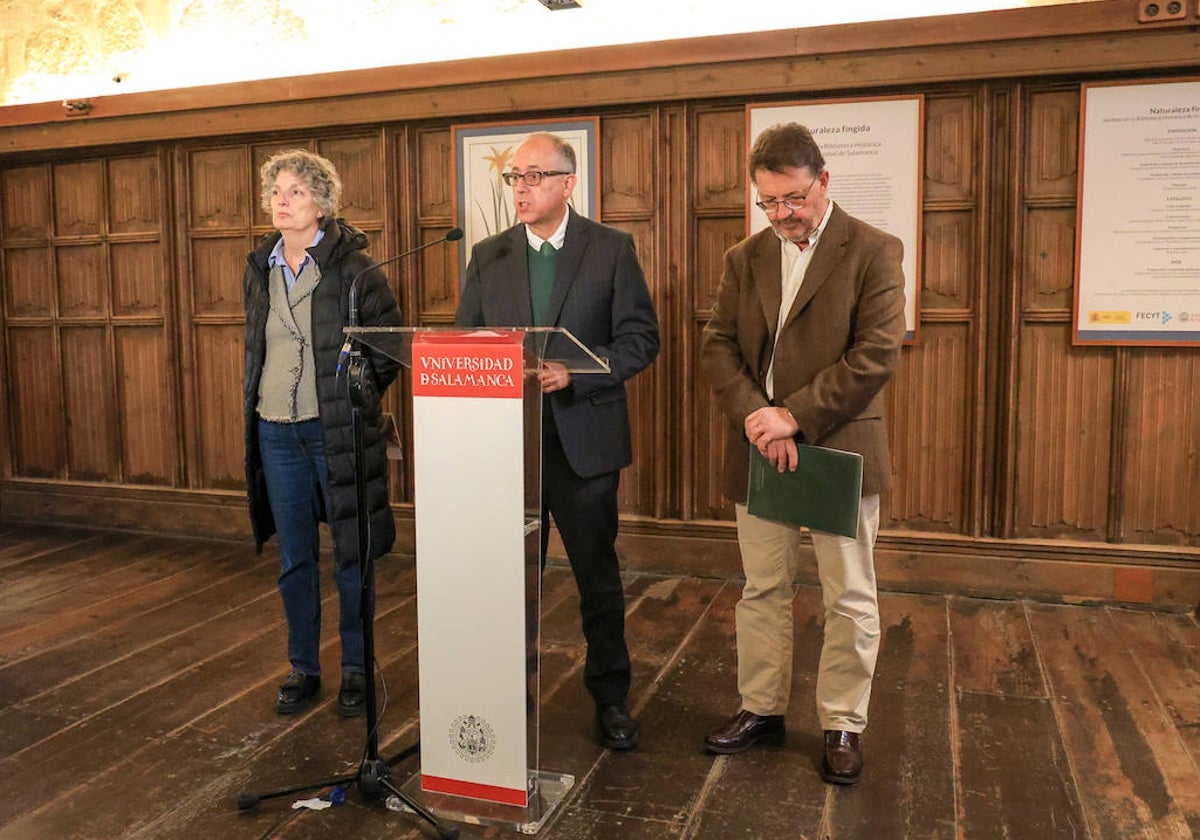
{"type": "Point", "coordinates": [823, 494]}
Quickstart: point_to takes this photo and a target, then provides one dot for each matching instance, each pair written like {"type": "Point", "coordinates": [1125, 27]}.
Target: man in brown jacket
{"type": "Point", "coordinates": [804, 334]}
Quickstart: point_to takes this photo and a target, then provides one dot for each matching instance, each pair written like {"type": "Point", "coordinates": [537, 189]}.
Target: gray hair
{"type": "Point", "coordinates": [316, 171]}
{"type": "Point", "coordinates": [565, 151]}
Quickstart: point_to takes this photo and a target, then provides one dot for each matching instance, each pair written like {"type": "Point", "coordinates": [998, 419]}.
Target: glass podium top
{"type": "Point", "coordinates": [541, 344]}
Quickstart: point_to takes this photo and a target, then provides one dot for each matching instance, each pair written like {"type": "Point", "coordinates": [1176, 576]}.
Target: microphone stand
{"type": "Point", "coordinates": [374, 772]}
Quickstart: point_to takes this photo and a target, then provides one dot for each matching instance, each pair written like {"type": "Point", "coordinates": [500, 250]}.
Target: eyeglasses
{"type": "Point", "coordinates": [531, 178]}
{"type": "Point", "coordinates": [791, 202]}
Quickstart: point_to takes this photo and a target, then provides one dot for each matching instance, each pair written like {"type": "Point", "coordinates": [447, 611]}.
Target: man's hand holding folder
{"type": "Point", "coordinates": [821, 490]}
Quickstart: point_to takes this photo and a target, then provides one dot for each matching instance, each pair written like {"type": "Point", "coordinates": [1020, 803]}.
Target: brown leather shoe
{"type": "Point", "coordinates": [743, 731]}
{"type": "Point", "coordinates": [843, 762]}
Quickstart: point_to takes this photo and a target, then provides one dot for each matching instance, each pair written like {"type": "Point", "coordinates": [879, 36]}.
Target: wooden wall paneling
{"type": "Point", "coordinates": [216, 195]}
{"type": "Point", "coordinates": [25, 203]}
{"type": "Point", "coordinates": [217, 265]}
{"type": "Point", "coordinates": [629, 179]}
{"type": "Point", "coordinates": [434, 174]}
{"type": "Point", "coordinates": [219, 187]}
{"type": "Point", "coordinates": [427, 181]}
{"type": "Point", "coordinates": [1048, 276]}
{"type": "Point", "coordinates": [145, 318]}
{"type": "Point", "coordinates": [29, 287]}
{"type": "Point", "coordinates": [1064, 428]}
{"type": "Point", "coordinates": [675, 429]}
{"type": "Point", "coordinates": [1032, 438]}
{"type": "Point", "coordinates": [146, 370]}
{"type": "Point", "coordinates": [708, 433]}
{"type": "Point", "coordinates": [636, 493]}
{"type": "Point", "coordinates": [932, 406]}
{"type": "Point", "coordinates": [437, 268]}
{"type": "Point", "coordinates": [28, 292]}
{"type": "Point", "coordinates": [895, 53]}
{"type": "Point", "coordinates": [138, 281]}
{"type": "Point", "coordinates": [135, 193]}
{"type": "Point", "coordinates": [403, 210]}
{"type": "Point", "coordinates": [82, 272]}
{"type": "Point", "coordinates": [79, 199]}
{"type": "Point", "coordinates": [719, 166]}
{"type": "Point", "coordinates": [35, 402]}
{"type": "Point", "coordinates": [929, 413]}
{"type": "Point", "coordinates": [713, 237]}
{"type": "Point", "coordinates": [1162, 449]}
{"type": "Point", "coordinates": [1006, 215]}
{"type": "Point", "coordinates": [359, 160]}
{"type": "Point", "coordinates": [949, 277]}
{"type": "Point", "coordinates": [1052, 161]}
{"type": "Point", "coordinates": [90, 404]}
{"type": "Point", "coordinates": [718, 183]}
{"type": "Point", "coordinates": [217, 412]}
{"type": "Point", "coordinates": [1001, 44]}
{"type": "Point", "coordinates": [995, 336]}
{"type": "Point", "coordinates": [1045, 276]}
{"type": "Point", "coordinates": [951, 140]}
{"type": "Point", "coordinates": [629, 171]}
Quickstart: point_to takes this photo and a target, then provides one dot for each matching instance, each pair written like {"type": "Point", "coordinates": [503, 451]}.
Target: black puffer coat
{"type": "Point", "coordinates": [341, 254]}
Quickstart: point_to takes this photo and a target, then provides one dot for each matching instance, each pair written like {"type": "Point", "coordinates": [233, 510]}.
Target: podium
{"type": "Point", "coordinates": [477, 415]}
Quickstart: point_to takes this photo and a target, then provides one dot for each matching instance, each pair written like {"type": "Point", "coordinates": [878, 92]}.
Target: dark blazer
{"type": "Point", "coordinates": [838, 347]}
{"type": "Point", "coordinates": [600, 296]}
{"type": "Point", "coordinates": [341, 255]}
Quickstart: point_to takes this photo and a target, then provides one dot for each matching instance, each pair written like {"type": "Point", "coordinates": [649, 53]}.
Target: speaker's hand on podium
{"type": "Point", "coordinates": [553, 376]}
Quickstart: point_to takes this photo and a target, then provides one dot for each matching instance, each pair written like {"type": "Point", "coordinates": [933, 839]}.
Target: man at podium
{"type": "Point", "coordinates": [557, 268]}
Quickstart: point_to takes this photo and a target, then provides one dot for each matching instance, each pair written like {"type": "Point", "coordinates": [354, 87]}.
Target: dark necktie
{"type": "Point", "coordinates": [542, 266]}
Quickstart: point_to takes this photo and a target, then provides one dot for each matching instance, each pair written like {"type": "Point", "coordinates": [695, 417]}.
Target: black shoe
{"type": "Point", "coordinates": [615, 729]}
{"type": "Point", "coordinates": [843, 761]}
{"type": "Point", "coordinates": [352, 698]}
{"type": "Point", "coordinates": [743, 731]}
{"type": "Point", "coordinates": [297, 691]}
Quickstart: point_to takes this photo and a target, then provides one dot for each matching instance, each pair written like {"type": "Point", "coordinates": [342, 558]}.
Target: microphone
{"type": "Point", "coordinates": [453, 235]}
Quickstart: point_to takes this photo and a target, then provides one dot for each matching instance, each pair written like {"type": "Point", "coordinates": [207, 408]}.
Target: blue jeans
{"type": "Point", "coordinates": [293, 456]}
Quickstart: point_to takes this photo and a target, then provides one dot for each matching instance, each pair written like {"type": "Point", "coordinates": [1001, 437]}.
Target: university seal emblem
{"type": "Point", "coordinates": [472, 738]}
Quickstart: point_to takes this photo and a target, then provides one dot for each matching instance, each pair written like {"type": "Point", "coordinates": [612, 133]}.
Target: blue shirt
{"type": "Point", "coordinates": [276, 258]}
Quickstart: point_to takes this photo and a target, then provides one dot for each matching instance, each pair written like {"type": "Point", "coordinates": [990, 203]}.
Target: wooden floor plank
{"type": "Point", "coordinates": [22, 544]}
{"type": "Point", "coordinates": [907, 789]}
{"type": "Point", "coordinates": [781, 787]}
{"type": "Point", "coordinates": [137, 703]}
{"type": "Point", "coordinates": [319, 747]}
{"type": "Point", "coordinates": [1166, 648]}
{"type": "Point", "coordinates": [71, 566]}
{"type": "Point", "coordinates": [1134, 777]}
{"type": "Point", "coordinates": [655, 781]}
{"type": "Point", "coordinates": [158, 578]}
{"type": "Point", "coordinates": [1014, 777]}
{"type": "Point", "coordinates": [34, 675]}
{"type": "Point", "coordinates": [993, 649]}
{"type": "Point", "coordinates": [189, 740]}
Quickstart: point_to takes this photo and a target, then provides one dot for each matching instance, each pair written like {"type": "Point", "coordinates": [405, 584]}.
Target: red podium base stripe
{"type": "Point", "coordinates": [474, 790]}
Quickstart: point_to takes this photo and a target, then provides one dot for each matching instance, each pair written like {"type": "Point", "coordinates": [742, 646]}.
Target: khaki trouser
{"type": "Point", "coordinates": [846, 567]}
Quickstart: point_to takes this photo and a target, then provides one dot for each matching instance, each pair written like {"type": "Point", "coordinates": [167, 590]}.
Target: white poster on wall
{"type": "Point", "coordinates": [872, 149]}
{"type": "Point", "coordinates": [1137, 276]}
